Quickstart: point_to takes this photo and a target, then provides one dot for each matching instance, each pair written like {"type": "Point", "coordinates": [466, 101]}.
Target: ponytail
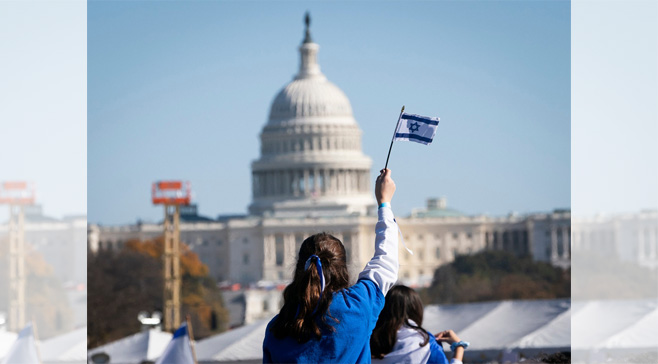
{"type": "Point", "coordinates": [321, 270]}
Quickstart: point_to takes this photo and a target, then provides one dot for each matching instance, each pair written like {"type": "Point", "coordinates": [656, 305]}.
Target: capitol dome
{"type": "Point", "coordinates": [310, 97]}
{"type": "Point", "coordinates": [311, 160]}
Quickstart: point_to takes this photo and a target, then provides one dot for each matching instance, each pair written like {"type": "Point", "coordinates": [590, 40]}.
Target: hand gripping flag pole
{"type": "Point", "coordinates": [393, 139]}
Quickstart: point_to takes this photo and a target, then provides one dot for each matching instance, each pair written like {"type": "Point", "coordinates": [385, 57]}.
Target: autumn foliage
{"type": "Point", "coordinates": [123, 283]}
{"type": "Point", "coordinates": [46, 301]}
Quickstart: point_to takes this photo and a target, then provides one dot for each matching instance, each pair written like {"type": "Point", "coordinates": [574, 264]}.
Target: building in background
{"type": "Point", "coordinates": [312, 176]}
{"type": "Point", "coordinates": [631, 238]}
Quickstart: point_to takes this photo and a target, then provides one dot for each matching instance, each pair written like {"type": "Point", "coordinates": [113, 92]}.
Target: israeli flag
{"type": "Point", "coordinates": [179, 350]}
{"type": "Point", "coordinates": [24, 349]}
{"type": "Point", "coordinates": [416, 128]}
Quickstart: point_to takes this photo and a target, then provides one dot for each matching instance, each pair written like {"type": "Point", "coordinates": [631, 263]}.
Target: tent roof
{"type": "Point", "coordinates": [68, 347]}
{"type": "Point", "coordinates": [640, 335]}
{"type": "Point", "coordinates": [536, 324]}
{"type": "Point", "coordinates": [555, 334]}
{"type": "Point", "coordinates": [476, 322]}
{"type": "Point", "coordinates": [598, 321]}
{"type": "Point", "coordinates": [7, 339]}
{"type": "Point", "coordinates": [145, 345]}
{"type": "Point", "coordinates": [243, 343]}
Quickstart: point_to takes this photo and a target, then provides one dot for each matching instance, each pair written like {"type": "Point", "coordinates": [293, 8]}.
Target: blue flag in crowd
{"type": "Point", "coordinates": [179, 350]}
{"type": "Point", "coordinates": [416, 128]}
{"type": "Point", "coordinates": [24, 349]}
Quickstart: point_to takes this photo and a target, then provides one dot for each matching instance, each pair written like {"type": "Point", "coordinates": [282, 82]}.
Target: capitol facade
{"type": "Point", "coordinates": [312, 176]}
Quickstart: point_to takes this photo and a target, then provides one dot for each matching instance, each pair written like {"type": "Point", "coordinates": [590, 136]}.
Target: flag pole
{"type": "Point", "coordinates": [392, 139]}
{"type": "Point", "coordinates": [36, 339]}
{"type": "Point", "coordinates": [189, 331]}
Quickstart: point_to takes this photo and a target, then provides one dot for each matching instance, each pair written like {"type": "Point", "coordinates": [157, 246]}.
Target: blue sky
{"type": "Point", "coordinates": [182, 90]}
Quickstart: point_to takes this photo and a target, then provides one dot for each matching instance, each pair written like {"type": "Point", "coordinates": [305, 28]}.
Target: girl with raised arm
{"type": "Point", "coordinates": [323, 320]}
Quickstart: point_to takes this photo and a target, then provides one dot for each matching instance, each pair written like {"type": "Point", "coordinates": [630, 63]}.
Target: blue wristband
{"type": "Point", "coordinates": [384, 204]}
{"type": "Point", "coordinates": [463, 344]}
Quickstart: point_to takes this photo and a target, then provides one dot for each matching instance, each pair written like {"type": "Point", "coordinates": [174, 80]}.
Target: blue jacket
{"type": "Point", "coordinates": [356, 308]}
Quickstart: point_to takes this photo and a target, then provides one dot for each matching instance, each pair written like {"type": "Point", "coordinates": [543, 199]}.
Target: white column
{"type": "Point", "coordinates": [295, 182]}
{"type": "Point", "coordinates": [306, 186]}
{"type": "Point", "coordinates": [326, 181]}
{"type": "Point", "coordinates": [289, 253]}
{"type": "Point", "coordinates": [641, 254]}
{"type": "Point", "coordinates": [269, 269]}
{"type": "Point", "coordinates": [565, 243]}
{"type": "Point", "coordinates": [553, 243]}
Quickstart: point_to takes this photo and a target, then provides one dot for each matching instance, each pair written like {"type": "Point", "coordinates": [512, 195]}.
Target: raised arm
{"type": "Point", "coordinates": [384, 266]}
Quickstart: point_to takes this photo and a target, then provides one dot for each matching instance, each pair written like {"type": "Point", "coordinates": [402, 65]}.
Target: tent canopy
{"type": "Point", "coordinates": [145, 345]}
{"type": "Point", "coordinates": [489, 326]}
{"type": "Point", "coordinates": [243, 343]}
{"type": "Point", "coordinates": [7, 339]}
{"type": "Point", "coordinates": [67, 348]}
{"type": "Point", "coordinates": [504, 324]}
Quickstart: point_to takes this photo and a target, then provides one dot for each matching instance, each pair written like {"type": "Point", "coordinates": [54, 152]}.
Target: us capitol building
{"type": "Point", "coordinates": [312, 176]}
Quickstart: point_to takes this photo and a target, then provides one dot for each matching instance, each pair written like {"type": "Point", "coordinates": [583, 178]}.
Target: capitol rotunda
{"type": "Point", "coordinates": [311, 162]}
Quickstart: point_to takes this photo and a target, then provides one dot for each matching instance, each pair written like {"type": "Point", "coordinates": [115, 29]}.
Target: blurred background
{"type": "Point", "coordinates": [254, 127]}
{"type": "Point", "coordinates": [43, 182]}
{"type": "Point", "coordinates": [221, 134]}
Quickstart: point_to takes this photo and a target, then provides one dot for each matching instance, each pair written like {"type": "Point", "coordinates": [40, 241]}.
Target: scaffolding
{"type": "Point", "coordinates": [17, 195]}
{"type": "Point", "coordinates": [171, 194]}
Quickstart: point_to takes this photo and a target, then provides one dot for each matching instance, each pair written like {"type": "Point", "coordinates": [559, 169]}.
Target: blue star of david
{"type": "Point", "coordinates": [414, 127]}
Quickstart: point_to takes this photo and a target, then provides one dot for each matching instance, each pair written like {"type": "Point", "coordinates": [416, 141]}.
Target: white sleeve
{"type": "Point", "coordinates": [384, 266]}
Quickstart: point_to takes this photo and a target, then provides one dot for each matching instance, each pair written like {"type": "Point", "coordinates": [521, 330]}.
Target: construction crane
{"type": "Point", "coordinates": [16, 194]}
{"type": "Point", "coordinates": [172, 194]}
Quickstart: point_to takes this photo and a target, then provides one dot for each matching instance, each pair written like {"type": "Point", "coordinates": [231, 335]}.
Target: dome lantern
{"type": "Point", "coordinates": [308, 66]}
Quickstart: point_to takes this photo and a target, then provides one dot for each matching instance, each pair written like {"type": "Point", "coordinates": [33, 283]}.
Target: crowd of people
{"type": "Point", "coordinates": [324, 320]}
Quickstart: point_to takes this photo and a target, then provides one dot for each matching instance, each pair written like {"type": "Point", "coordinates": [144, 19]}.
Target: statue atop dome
{"type": "Point", "coordinates": [307, 21]}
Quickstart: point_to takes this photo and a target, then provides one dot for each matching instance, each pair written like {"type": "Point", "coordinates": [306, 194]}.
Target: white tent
{"type": "Point", "coordinates": [492, 328]}
{"type": "Point", "coordinates": [641, 335]}
{"type": "Point", "coordinates": [145, 345]}
{"type": "Point", "coordinates": [241, 344]}
{"type": "Point", "coordinates": [556, 334]}
{"type": "Point", "coordinates": [24, 349]}
{"type": "Point", "coordinates": [69, 348]}
{"type": "Point", "coordinates": [604, 330]}
{"type": "Point", "coordinates": [496, 329]}
{"type": "Point", "coordinates": [7, 339]}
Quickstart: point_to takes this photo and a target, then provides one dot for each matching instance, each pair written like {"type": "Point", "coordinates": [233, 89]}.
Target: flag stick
{"type": "Point", "coordinates": [392, 139]}
{"type": "Point", "coordinates": [36, 339]}
{"type": "Point", "coordinates": [189, 331]}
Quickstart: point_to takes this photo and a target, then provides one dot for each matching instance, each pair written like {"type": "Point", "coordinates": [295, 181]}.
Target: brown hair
{"type": "Point", "coordinates": [402, 304]}
{"type": "Point", "coordinates": [304, 303]}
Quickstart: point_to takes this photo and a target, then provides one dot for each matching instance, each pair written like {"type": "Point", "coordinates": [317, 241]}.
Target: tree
{"type": "Point", "coordinates": [496, 275]}
{"type": "Point", "coordinates": [123, 283]}
{"type": "Point", "coordinates": [45, 297]}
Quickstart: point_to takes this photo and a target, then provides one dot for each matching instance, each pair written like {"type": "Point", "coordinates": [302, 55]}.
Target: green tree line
{"type": "Point", "coordinates": [496, 275]}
